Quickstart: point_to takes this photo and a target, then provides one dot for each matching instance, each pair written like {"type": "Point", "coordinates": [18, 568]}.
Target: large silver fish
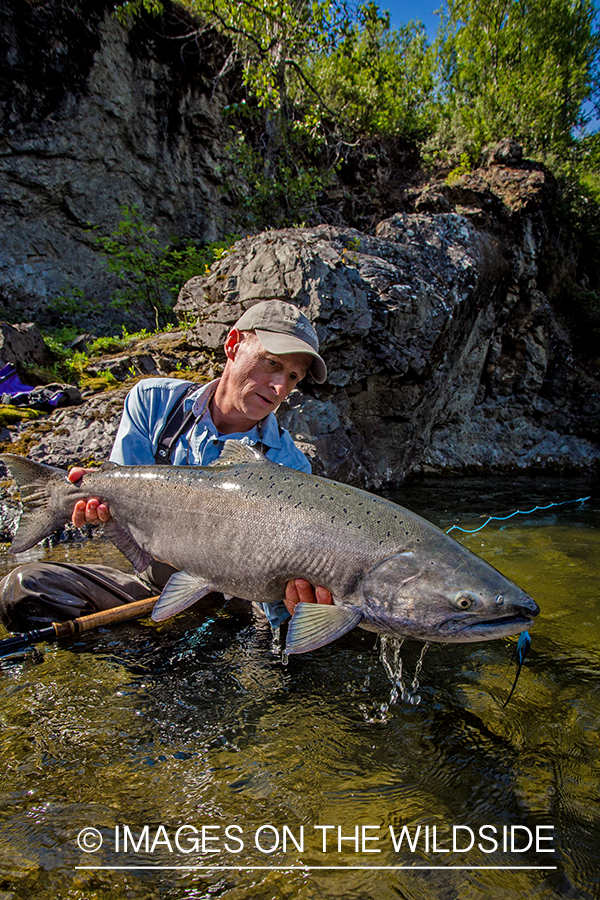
{"type": "Point", "coordinates": [246, 526]}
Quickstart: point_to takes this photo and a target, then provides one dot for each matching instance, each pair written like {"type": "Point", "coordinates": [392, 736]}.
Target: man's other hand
{"type": "Point", "coordinates": [302, 591]}
{"type": "Point", "coordinates": [87, 512]}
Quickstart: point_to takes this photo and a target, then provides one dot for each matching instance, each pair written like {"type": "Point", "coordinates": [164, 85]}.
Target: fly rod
{"type": "Point", "coordinates": [57, 630]}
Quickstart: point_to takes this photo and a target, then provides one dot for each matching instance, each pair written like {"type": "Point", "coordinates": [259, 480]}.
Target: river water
{"type": "Point", "coordinates": [209, 770]}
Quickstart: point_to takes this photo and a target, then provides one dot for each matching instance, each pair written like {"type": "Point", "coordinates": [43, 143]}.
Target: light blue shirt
{"type": "Point", "coordinates": [147, 407]}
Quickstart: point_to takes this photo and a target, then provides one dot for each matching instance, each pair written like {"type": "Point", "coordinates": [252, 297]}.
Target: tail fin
{"type": "Point", "coordinates": [39, 518]}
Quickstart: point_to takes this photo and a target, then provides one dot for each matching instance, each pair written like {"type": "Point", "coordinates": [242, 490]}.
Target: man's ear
{"type": "Point", "coordinates": [232, 342]}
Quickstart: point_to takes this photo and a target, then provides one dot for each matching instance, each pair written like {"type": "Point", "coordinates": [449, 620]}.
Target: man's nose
{"type": "Point", "coordinates": [279, 383]}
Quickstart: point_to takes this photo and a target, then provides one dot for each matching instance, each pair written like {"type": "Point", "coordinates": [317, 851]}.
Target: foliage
{"type": "Point", "coordinates": [315, 77]}
{"type": "Point", "coordinates": [284, 194]}
{"type": "Point", "coordinates": [516, 68]}
{"type": "Point", "coordinates": [73, 307]}
{"type": "Point", "coordinates": [105, 381]}
{"type": "Point", "coordinates": [152, 273]}
{"type": "Point", "coordinates": [378, 81]}
{"type": "Point", "coordinates": [269, 38]}
{"type": "Point", "coordinates": [463, 166]}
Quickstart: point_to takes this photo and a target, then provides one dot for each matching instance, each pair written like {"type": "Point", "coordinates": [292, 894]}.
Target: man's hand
{"type": "Point", "coordinates": [89, 512]}
{"type": "Point", "coordinates": [301, 591]}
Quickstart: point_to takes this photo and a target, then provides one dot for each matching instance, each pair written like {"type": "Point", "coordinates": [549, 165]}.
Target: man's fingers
{"type": "Point", "coordinates": [291, 597]}
{"type": "Point", "coordinates": [306, 592]}
{"type": "Point", "coordinates": [90, 513]}
{"type": "Point", "coordinates": [103, 513]}
{"type": "Point", "coordinates": [302, 591]}
{"type": "Point", "coordinates": [78, 517]}
{"type": "Point", "coordinates": [323, 596]}
{"type": "Point", "coordinates": [76, 473]}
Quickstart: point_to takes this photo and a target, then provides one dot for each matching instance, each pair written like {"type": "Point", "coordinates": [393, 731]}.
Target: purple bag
{"type": "Point", "coordinates": [10, 383]}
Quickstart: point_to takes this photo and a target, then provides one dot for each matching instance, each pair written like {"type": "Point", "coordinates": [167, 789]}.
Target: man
{"type": "Point", "coordinates": [269, 350]}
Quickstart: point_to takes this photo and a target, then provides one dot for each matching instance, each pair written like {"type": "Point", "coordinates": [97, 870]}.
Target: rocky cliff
{"type": "Point", "coordinates": [439, 325]}
{"type": "Point", "coordinates": [94, 116]}
{"type": "Point", "coordinates": [444, 354]}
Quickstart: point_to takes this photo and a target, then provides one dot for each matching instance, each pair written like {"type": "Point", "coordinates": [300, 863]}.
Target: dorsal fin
{"type": "Point", "coordinates": [234, 453]}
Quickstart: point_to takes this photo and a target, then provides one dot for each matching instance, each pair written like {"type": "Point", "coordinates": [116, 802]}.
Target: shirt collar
{"type": "Point", "coordinates": [266, 432]}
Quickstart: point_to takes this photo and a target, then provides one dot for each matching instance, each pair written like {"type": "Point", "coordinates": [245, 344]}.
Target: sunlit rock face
{"type": "Point", "coordinates": [443, 355]}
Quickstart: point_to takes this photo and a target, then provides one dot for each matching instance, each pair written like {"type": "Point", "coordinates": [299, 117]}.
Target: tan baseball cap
{"type": "Point", "coordinates": [282, 328]}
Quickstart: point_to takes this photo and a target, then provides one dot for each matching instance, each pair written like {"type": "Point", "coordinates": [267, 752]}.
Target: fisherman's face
{"type": "Point", "coordinates": [261, 380]}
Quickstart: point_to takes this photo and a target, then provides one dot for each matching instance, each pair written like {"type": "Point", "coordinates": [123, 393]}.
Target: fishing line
{"type": "Point", "coordinates": [517, 512]}
{"type": "Point", "coordinates": [524, 642]}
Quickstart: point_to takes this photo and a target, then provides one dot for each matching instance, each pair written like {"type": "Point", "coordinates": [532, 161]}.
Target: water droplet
{"type": "Point", "coordinates": [389, 651]}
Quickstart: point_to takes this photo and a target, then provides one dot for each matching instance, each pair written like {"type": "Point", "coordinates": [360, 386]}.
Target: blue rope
{"type": "Point", "coordinates": [518, 512]}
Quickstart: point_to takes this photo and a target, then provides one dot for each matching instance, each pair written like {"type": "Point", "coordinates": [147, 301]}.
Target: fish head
{"type": "Point", "coordinates": [443, 593]}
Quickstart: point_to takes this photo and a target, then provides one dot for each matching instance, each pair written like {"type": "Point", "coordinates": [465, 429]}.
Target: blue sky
{"type": "Point", "coordinates": [402, 11]}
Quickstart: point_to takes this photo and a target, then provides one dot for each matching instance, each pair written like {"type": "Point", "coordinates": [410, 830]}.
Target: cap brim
{"type": "Point", "coordinates": [278, 344]}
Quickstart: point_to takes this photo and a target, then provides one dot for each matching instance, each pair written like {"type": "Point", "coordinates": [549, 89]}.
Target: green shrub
{"type": "Point", "coordinates": [152, 273]}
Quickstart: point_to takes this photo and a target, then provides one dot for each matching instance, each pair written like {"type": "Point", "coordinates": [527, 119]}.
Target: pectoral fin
{"type": "Point", "coordinates": [315, 624]}
{"type": "Point", "coordinates": [181, 590]}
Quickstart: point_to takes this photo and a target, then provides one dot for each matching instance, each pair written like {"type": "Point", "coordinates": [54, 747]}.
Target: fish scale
{"type": "Point", "coordinates": [246, 526]}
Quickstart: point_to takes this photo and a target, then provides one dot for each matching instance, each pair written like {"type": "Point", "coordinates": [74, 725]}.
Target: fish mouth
{"type": "Point", "coordinates": [520, 618]}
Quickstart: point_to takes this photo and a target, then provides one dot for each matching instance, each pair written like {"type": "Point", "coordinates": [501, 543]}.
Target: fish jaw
{"type": "Point", "coordinates": [461, 630]}
{"type": "Point", "coordinates": [454, 629]}
{"type": "Point", "coordinates": [448, 595]}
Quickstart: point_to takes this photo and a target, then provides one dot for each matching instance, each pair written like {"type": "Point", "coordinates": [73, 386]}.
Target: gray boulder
{"type": "Point", "coordinates": [441, 350]}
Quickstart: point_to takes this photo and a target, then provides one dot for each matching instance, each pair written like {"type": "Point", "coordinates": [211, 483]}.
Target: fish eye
{"type": "Point", "coordinates": [464, 600]}
{"type": "Point", "coordinates": [499, 601]}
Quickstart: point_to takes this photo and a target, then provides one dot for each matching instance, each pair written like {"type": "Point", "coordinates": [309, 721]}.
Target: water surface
{"type": "Point", "coordinates": [197, 723]}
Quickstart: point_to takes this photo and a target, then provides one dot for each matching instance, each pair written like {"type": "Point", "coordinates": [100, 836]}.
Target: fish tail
{"type": "Point", "coordinates": [40, 516]}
